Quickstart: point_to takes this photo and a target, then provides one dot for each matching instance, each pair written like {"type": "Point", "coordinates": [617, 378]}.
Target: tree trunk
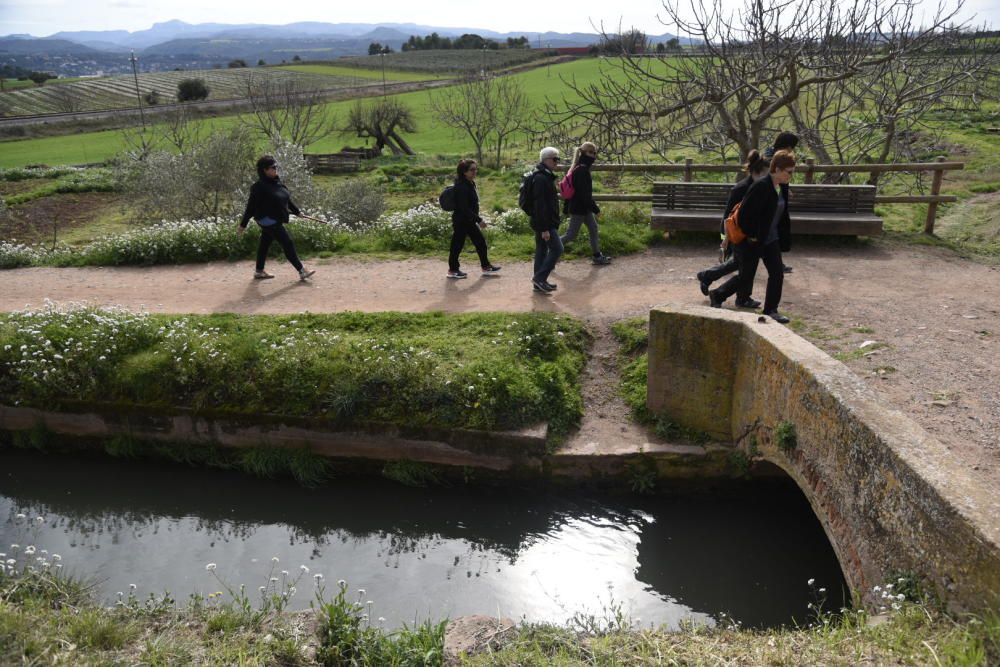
{"type": "Point", "coordinates": [402, 143]}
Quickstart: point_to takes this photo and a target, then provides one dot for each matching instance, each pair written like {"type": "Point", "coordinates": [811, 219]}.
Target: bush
{"type": "Point", "coordinates": [357, 203]}
{"type": "Point", "coordinates": [152, 98]}
{"type": "Point", "coordinates": [189, 90]}
{"type": "Point", "coordinates": [210, 178]}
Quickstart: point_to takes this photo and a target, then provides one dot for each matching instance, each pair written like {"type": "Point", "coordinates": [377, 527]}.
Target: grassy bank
{"type": "Point", "coordinates": [484, 371]}
{"type": "Point", "coordinates": [50, 617]}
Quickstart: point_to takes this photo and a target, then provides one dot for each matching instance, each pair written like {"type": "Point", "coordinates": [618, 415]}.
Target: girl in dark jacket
{"type": "Point", "coordinates": [756, 169]}
{"type": "Point", "coordinates": [763, 213]}
{"type": "Point", "coordinates": [269, 204]}
{"type": "Point", "coordinates": [466, 221]}
{"type": "Point", "coordinates": [582, 208]}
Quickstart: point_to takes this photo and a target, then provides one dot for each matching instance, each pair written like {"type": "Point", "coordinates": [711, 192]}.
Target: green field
{"type": "Point", "coordinates": [118, 92]}
{"type": "Point", "coordinates": [431, 137]}
{"type": "Point", "coordinates": [341, 70]}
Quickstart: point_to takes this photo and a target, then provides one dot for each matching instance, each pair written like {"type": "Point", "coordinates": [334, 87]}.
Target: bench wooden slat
{"type": "Point", "coordinates": [815, 209]}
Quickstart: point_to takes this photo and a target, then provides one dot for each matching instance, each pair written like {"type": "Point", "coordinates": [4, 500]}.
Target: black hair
{"type": "Point", "coordinates": [786, 141]}
{"type": "Point", "coordinates": [464, 166]}
{"type": "Point", "coordinates": [755, 163]}
{"type": "Point", "coordinates": [264, 162]}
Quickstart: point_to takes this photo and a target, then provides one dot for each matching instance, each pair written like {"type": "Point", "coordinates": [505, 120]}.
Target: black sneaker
{"type": "Point", "coordinates": [541, 286]}
{"type": "Point", "coordinates": [786, 269]}
{"type": "Point", "coordinates": [778, 317]}
{"type": "Point", "coordinates": [713, 299]}
{"type": "Point", "coordinates": [748, 303]}
{"type": "Point", "coordinates": [552, 286]}
{"type": "Point", "coordinates": [457, 275]}
{"type": "Point", "coordinates": [491, 269]}
{"type": "Point", "coordinates": [702, 283]}
{"type": "Point", "coordinates": [601, 260]}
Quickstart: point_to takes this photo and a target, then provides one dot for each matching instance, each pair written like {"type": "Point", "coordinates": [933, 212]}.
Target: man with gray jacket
{"type": "Point", "coordinates": [545, 219]}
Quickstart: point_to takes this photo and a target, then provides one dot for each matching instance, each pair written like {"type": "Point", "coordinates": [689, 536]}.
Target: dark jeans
{"type": "Point", "coordinates": [280, 234]}
{"type": "Point", "coordinates": [546, 254]}
{"type": "Point", "coordinates": [720, 270]}
{"type": "Point", "coordinates": [459, 231]}
{"type": "Point", "coordinates": [748, 256]}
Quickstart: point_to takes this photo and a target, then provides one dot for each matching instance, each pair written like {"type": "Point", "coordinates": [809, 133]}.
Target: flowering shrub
{"type": "Point", "coordinates": [478, 371]}
{"type": "Point", "coordinates": [418, 227]}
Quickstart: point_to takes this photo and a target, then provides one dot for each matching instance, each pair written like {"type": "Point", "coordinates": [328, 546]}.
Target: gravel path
{"type": "Point", "coordinates": [934, 318]}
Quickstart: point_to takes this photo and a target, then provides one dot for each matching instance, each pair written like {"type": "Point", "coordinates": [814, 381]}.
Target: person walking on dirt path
{"type": "Point", "coordinates": [269, 204]}
{"type": "Point", "coordinates": [785, 141]}
{"type": "Point", "coordinates": [466, 221]}
{"type": "Point", "coordinates": [582, 208]}
{"type": "Point", "coordinates": [764, 210]}
{"type": "Point", "coordinates": [756, 169]}
{"type": "Point", "coordinates": [545, 219]}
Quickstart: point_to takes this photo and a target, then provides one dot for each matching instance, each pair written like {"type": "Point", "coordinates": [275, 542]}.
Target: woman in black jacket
{"type": "Point", "coordinates": [582, 208]}
{"type": "Point", "coordinates": [466, 221]}
{"type": "Point", "coordinates": [756, 169]}
{"type": "Point", "coordinates": [764, 211]}
{"type": "Point", "coordinates": [269, 204]}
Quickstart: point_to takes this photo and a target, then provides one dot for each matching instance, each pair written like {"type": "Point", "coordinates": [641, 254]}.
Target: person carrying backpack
{"type": "Point", "coordinates": [762, 213]}
{"type": "Point", "coordinates": [577, 189]}
{"type": "Point", "coordinates": [269, 204]}
{"type": "Point", "coordinates": [544, 208]}
{"type": "Point", "coordinates": [466, 221]}
{"type": "Point", "coordinates": [756, 169]}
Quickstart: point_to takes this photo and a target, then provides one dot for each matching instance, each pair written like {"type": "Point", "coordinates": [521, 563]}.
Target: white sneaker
{"type": "Point", "coordinates": [305, 273]}
{"type": "Point", "coordinates": [261, 275]}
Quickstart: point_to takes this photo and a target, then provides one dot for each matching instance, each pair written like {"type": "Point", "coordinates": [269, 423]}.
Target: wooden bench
{"type": "Point", "coordinates": [333, 162]}
{"type": "Point", "coordinates": [815, 209]}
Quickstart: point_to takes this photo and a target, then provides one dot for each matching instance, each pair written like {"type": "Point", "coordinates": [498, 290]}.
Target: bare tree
{"type": "Point", "coordinates": [488, 109]}
{"type": "Point", "coordinates": [756, 67]}
{"type": "Point", "coordinates": [382, 120]}
{"type": "Point", "coordinates": [285, 110]}
{"type": "Point", "coordinates": [179, 128]}
{"type": "Point", "coordinates": [66, 99]}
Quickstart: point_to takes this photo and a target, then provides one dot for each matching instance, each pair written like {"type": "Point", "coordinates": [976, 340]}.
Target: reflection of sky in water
{"type": "Point", "coordinates": [417, 553]}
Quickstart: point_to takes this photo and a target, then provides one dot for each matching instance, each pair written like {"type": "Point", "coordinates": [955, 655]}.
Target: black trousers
{"type": "Point", "coordinates": [459, 231]}
{"type": "Point", "coordinates": [718, 271]}
{"type": "Point", "coordinates": [748, 257]}
{"type": "Point", "coordinates": [280, 234]}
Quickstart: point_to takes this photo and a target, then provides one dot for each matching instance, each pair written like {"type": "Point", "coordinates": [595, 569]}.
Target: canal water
{"type": "Point", "coordinates": [541, 554]}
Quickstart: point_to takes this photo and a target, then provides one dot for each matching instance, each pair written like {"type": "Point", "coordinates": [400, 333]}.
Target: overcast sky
{"type": "Point", "coordinates": [44, 17]}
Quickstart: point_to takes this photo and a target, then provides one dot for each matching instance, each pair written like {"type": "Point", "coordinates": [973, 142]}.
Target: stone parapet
{"type": "Point", "coordinates": [891, 499]}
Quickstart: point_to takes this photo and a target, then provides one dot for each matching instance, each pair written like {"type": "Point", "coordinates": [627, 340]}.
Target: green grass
{"type": "Point", "coordinates": [52, 619]}
{"type": "Point", "coordinates": [340, 70]}
{"type": "Point", "coordinates": [482, 371]}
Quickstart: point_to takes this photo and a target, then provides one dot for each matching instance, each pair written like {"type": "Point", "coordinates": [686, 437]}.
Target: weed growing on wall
{"type": "Point", "coordinates": [785, 436]}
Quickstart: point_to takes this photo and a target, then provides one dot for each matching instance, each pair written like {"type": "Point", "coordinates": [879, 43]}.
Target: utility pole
{"type": "Point", "coordinates": [381, 55]}
{"type": "Point", "coordinates": [138, 96]}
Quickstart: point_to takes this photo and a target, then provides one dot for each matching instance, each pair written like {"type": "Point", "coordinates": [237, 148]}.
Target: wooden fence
{"type": "Point", "coordinates": [809, 169]}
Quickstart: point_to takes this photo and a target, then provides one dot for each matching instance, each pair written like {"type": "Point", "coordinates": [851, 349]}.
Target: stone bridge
{"type": "Point", "coordinates": [889, 496]}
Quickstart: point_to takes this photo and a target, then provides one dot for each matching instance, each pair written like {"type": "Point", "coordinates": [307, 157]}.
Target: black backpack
{"type": "Point", "coordinates": [526, 195]}
{"type": "Point", "coordinates": [447, 198]}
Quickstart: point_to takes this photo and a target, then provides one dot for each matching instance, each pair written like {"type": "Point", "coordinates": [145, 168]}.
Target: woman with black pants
{"type": "Point", "coordinates": [466, 221]}
{"type": "Point", "coordinates": [269, 204]}
{"type": "Point", "coordinates": [763, 213]}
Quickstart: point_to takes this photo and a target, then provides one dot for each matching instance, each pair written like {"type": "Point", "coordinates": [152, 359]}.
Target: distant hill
{"type": "Point", "coordinates": [180, 45]}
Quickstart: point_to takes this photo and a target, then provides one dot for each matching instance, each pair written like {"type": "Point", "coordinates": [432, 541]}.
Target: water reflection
{"type": "Point", "coordinates": [520, 552]}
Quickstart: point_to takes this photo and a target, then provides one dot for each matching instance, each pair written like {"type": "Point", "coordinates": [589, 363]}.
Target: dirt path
{"type": "Point", "coordinates": [934, 318]}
